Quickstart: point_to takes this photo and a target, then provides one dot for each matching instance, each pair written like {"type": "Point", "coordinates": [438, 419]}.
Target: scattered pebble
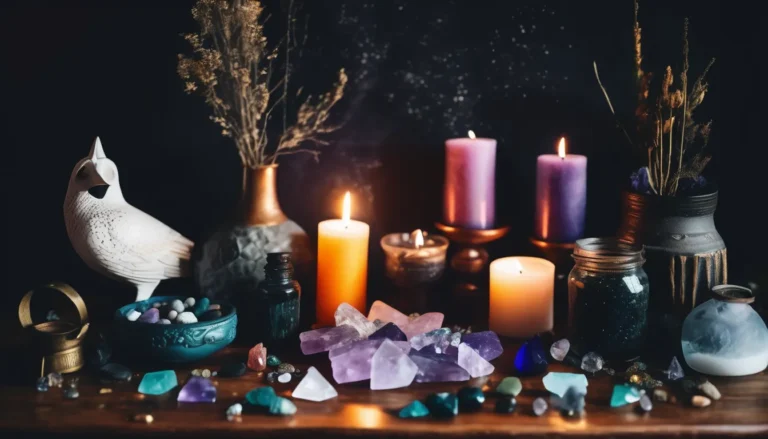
{"type": "Point", "coordinates": [272, 377]}
{"type": "Point", "coordinates": [660, 395]}
{"type": "Point", "coordinates": [710, 390]}
{"type": "Point", "coordinates": [186, 317]}
{"type": "Point", "coordinates": [284, 378]}
{"type": "Point", "coordinates": [559, 349]}
{"type": "Point", "coordinates": [285, 368]}
{"type": "Point", "coordinates": [273, 361]}
{"type": "Point", "coordinates": [104, 391]}
{"type": "Point", "coordinates": [592, 362]}
{"type": "Point", "coordinates": [700, 401]}
{"type": "Point", "coordinates": [133, 315]}
{"type": "Point", "coordinates": [205, 373]}
{"type": "Point", "coordinates": [539, 406]}
{"type": "Point", "coordinates": [645, 403]}
{"type": "Point", "coordinates": [144, 417]}
{"type": "Point", "coordinates": [197, 372]}
{"type": "Point", "coordinates": [234, 411]}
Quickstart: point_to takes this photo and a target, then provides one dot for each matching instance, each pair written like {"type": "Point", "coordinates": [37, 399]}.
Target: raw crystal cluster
{"type": "Point", "coordinates": [392, 350]}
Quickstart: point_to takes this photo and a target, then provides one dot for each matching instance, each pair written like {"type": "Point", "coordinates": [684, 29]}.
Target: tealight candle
{"type": "Point", "coordinates": [413, 259]}
{"type": "Point", "coordinates": [342, 264]}
{"type": "Point", "coordinates": [521, 296]}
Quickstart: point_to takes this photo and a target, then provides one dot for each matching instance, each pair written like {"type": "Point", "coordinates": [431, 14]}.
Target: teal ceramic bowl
{"type": "Point", "coordinates": [173, 343]}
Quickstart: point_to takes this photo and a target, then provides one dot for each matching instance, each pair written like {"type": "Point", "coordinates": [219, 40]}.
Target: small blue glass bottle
{"type": "Point", "coordinates": [271, 314]}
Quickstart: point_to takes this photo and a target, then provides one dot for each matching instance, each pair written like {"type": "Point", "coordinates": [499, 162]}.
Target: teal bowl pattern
{"type": "Point", "coordinates": [173, 343]}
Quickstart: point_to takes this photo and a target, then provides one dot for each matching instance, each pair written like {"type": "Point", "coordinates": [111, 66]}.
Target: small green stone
{"type": "Point", "coordinates": [157, 383]}
{"type": "Point", "coordinates": [511, 386]}
{"type": "Point", "coordinates": [506, 405]}
{"type": "Point", "coordinates": [624, 394]}
{"type": "Point", "coordinates": [261, 396]}
{"type": "Point", "coordinates": [443, 405]}
{"type": "Point", "coordinates": [416, 409]}
{"type": "Point", "coordinates": [281, 406]}
{"type": "Point", "coordinates": [273, 361]}
{"type": "Point", "coordinates": [471, 399]}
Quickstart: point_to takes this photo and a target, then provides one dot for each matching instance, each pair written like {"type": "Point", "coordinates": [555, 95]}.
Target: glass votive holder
{"type": "Point", "coordinates": [414, 259]}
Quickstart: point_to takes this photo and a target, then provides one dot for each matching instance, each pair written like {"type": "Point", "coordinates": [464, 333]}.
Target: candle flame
{"type": "Point", "coordinates": [418, 240]}
{"type": "Point", "coordinates": [517, 266]}
{"type": "Point", "coordinates": [346, 210]}
{"type": "Point", "coordinates": [471, 134]}
{"type": "Point", "coordinates": [561, 148]}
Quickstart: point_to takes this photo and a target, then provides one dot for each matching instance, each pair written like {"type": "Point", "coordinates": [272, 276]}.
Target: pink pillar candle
{"type": "Point", "coordinates": [470, 182]}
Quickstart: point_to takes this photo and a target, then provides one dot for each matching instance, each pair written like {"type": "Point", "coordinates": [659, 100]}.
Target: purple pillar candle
{"type": "Point", "coordinates": [470, 182]}
{"type": "Point", "coordinates": [561, 196]}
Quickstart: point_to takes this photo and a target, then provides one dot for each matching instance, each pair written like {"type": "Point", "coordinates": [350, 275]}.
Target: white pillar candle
{"type": "Point", "coordinates": [521, 296]}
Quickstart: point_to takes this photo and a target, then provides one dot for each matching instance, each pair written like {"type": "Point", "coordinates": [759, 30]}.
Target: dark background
{"type": "Point", "coordinates": [420, 72]}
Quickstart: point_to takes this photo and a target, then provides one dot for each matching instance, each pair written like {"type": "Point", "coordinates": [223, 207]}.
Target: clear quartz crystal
{"type": "Point", "coordinates": [675, 371]}
{"type": "Point", "coordinates": [560, 349]}
{"type": "Point", "coordinates": [539, 406]}
{"type": "Point", "coordinates": [592, 362]}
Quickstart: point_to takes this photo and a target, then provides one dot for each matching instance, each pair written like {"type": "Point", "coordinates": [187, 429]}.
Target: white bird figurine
{"type": "Point", "coordinates": [115, 238]}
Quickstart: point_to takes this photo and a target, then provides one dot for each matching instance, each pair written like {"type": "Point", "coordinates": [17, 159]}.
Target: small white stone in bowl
{"type": "Point", "coordinates": [177, 305]}
{"type": "Point", "coordinates": [172, 314]}
{"type": "Point", "coordinates": [190, 302]}
{"type": "Point", "coordinates": [133, 315]}
{"type": "Point", "coordinates": [164, 322]}
{"type": "Point", "coordinates": [186, 317]}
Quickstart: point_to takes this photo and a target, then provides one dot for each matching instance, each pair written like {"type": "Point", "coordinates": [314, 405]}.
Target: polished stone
{"type": "Point", "coordinates": [592, 362]}
{"type": "Point", "coordinates": [559, 349]}
{"type": "Point", "coordinates": [282, 407]}
{"type": "Point", "coordinates": [261, 396]}
{"type": "Point", "coordinates": [443, 405]}
{"type": "Point", "coordinates": [157, 383]}
{"type": "Point", "coordinates": [471, 399]}
{"type": "Point", "coordinates": [257, 358]}
{"type": "Point", "coordinates": [416, 409]}
{"type": "Point", "coordinates": [505, 405]}
{"type": "Point", "coordinates": [646, 404]}
{"type": "Point", "coordinates": [530, 358]}
{"type": "Point", "coordinates": [539, 406]}
{"type": "Point", "coordinates": [273, 361]}
{"type": "Point", "coordinates": [151, 315]}
{"type": "Point", "coordinates": [572, 402]}
{"type": "Point", "coordinates": [511, 386]}
{"type": "Point", "coordinates": [559, 382]}
{"type": "Point", "coordinates": [197, 389]}
{"type": "Point", "coordinates": [314, 387]}
{"type": "Point", "coordinates": [624, 394]}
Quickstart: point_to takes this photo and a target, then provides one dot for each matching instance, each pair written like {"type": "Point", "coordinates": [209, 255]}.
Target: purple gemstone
{"type": "Point", "coordinates": [449, 351]}
{"type": "Point", "coordinates": [434, 367]}
{"type": "Point", "coordinates": [352, 362]}
{"type": "Point", "coordinates": [324, 339]}
{"type": "Point", "coordinates": [390, 331]}
{"type": "Point", "coordinates": [198, 389]}
{"type": "Point", "coordinates": [486, 344]}
{"type": "Point", "coordinates": [151, 315]}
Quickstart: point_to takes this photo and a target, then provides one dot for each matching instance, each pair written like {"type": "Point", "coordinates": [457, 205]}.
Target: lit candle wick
{"type": "Point", "coordinates": [418, 238]}
{"type": "Point", "coordinates": [561, 148]}
{"type": "Point", "coordinates": [346, 210]}
{"type": "Point", "coordinates": [471, 134]}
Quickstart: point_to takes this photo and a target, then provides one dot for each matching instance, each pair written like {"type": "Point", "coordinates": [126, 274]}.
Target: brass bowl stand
{"type": "Point", "coordinates": [472, 257]}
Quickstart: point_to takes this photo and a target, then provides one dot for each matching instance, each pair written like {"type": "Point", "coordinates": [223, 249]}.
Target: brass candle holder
{"type": "Point", "coordinates": [471, 257]}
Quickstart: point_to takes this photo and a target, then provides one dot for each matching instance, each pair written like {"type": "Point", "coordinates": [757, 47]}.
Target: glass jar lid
{"type": "Point", "coordinates": [608, 254]}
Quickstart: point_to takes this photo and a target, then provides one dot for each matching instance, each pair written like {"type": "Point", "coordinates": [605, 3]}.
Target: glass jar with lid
{"type": "Point", "coordinates": [608, 297]}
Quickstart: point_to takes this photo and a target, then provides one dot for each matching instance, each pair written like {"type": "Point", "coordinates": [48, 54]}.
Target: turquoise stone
{"type": "Point", "coordinates": [471, 399]}
{"type": "Point", "coordinates": [416, 409]}
{"type": "Point", "coordinates": [559, 382]}
{"type": "Point", "coordinates": [281, 406]}
{"type": "Point", "coordinates": [273, 361]}
{"type": "Point", "coordinates": [624, 394]}
{"type": "Point", "coordinates": [443, 405]}
{"type": "Point", "coordinates": [201, 306]}
{"type": "Point", "coordinates": [511, 386]}
{"type": "Point", "coordinates": [261, 397]}
{"type": "Point", "coordinates": [157, 383]}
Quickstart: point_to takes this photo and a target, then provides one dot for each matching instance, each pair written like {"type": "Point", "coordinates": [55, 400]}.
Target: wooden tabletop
{"type": "Point", "coordinates": [360, 412]}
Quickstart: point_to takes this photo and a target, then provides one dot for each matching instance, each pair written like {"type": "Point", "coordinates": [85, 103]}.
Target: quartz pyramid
{"type": "Point", "coordinates": [314, 387]}
{"type": "Point", "coordinates": [473, 363]}
{"type": "Point", "coordinates": [391, 368]}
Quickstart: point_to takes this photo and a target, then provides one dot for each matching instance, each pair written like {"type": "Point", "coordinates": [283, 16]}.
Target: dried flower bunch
{"type": "Point", "coordinates": [244, 81]}
{"type": "Point", "coordinates": [664, 124]}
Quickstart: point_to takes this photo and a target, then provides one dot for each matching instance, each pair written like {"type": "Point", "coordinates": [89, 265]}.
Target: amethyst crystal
{"type": "Point", "coordinates": [391, 368]}
{"type": "Point", "coordinates": [435, 367]}
{"type": "Point", "coordinates": [390, 331]}
{"type": "Point", "coordinates": [198, 389]}
{"type": "Point", "coordinates": [486, 344]}
{"type": "Point", "coordinates": [324, 339]}
{"type": "Point", "coordinates": [352, 362]}
{"type": "Point", "coordinates": [639, 181]}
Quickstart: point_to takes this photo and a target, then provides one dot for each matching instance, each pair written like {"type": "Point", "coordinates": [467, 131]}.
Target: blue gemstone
{"type": "Point", "coordinates": [531, 358]}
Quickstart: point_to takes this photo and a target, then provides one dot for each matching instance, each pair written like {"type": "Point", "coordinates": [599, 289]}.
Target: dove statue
{"type": "Point", "coordinates": [113, 237]}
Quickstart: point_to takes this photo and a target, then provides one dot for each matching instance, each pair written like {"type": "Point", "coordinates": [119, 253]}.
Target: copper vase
{"type": "Point", "coordinates": [259, 205]}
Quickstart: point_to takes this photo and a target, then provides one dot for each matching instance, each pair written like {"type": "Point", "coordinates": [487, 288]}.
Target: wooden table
{"type": "Point", "coordinates": [360, 412]}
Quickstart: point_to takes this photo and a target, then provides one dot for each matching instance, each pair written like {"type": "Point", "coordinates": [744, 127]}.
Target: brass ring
{"type": "Point", "coordinates": [25, 309]}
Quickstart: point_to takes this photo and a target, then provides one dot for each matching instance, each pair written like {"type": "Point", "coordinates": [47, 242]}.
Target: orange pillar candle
{"type": "Point", "coordinates": [342, 264]}
{"type": "Point", "coordinates": [521, 296]}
